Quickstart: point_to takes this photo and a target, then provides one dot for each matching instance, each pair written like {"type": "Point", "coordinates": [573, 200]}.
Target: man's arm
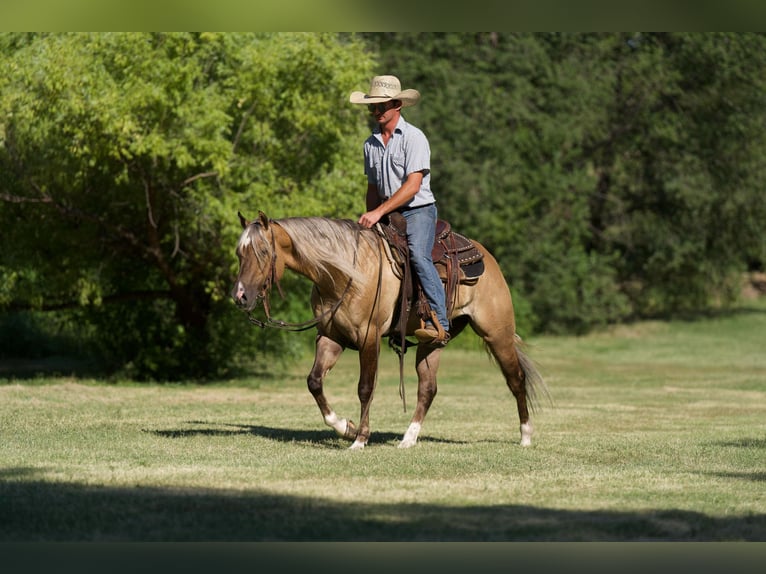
{"type": "Point", "coordinates": [373, 199]}
{"type": "Point", "coordinates": [402, 196]}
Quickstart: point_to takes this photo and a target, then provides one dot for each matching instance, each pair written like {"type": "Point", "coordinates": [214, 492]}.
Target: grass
{"type": "Point", "coordinates": [657, 432]}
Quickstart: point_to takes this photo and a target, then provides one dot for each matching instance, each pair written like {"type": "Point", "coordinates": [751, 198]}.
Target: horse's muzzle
{"type": "Point", "coordinates": [239, 295]}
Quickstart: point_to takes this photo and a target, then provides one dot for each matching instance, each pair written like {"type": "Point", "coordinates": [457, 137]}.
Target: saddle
{"type": "Point", "coordinates": [456, 257]}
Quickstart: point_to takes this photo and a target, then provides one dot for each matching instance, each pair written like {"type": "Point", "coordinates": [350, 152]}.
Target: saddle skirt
{"type": "Point", "coordinates": [451, 248]}
{"type": "Point", "coordinates": [452, 253]}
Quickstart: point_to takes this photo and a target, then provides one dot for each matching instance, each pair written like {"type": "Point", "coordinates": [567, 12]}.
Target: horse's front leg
{"type": "Point", "coordinates": [327, 354]}
{"type": "Point", "coordinates": [368, 372]}
{"type": "Point", "coordinates": [427, 364]}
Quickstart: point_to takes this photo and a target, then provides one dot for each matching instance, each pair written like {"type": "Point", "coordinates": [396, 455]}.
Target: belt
{"type": "Point", "coordinates": [404, 209]}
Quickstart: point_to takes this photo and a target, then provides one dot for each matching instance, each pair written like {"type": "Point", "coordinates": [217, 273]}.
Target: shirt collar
{"type": "Point", "coordinates": [401, 126]}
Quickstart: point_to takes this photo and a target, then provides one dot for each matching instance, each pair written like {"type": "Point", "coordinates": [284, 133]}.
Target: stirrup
{"type": "Point", "coordinates": [432, 337]}
{"type": "Point", "coordinates": [436, 336]}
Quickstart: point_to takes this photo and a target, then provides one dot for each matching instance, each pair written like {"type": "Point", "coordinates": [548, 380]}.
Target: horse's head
{"type": "Point", "coordinates": [256, 262]}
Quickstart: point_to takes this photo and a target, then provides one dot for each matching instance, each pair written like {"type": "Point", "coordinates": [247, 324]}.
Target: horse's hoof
{"type": "Point", "coordinates": [350, 433]}
{"type": "Point", "coordinates": [358, 445]}
{"type": "Point", "coordinates": [407, 443]}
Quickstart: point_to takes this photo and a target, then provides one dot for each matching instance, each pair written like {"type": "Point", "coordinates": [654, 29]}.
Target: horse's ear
{"type": "Point", "coordinates": [264, 219]}
{"type": "Point", "coordinates": [244, 222]}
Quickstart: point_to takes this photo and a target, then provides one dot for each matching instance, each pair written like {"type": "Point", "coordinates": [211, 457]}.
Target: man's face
{"type": "Point", "coordinates": [382, 112]}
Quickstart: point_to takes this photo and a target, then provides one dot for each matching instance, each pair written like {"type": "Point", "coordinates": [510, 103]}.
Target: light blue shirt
{"type": "Point", "coordinates": [387, 166]}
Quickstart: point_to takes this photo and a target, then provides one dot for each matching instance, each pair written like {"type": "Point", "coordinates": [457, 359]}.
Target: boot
{"type": "Point", "coordinates": [431, 335]}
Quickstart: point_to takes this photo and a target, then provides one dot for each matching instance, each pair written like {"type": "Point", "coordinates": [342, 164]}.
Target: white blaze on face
{"type": "Point", "coordinates": [244, 240]}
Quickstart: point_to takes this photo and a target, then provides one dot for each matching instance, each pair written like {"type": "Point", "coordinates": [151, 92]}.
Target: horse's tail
{"type": "Point", "coordinates": [537, 389]}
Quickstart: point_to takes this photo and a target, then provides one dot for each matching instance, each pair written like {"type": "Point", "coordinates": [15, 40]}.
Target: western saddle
{"type": "Point", "coordinates": [456, 258]}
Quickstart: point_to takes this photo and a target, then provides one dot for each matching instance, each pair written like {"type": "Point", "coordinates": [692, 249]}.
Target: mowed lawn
{"type": "Point", "coordinates": [657, 431]}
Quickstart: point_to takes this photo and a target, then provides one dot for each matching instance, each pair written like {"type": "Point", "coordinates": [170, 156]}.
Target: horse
{"type": "Point", "coordinates": [354, 300]}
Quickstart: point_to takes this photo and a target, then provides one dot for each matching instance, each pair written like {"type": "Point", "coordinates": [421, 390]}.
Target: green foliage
{"type": "Point", "coordinates": [125, 158]}
{"type": "Point", "coordinates": [612, 175]}
{"type": "Point", "coordinates": [681, 175]}
{"type": "Point", "coordinates": [33, 336]}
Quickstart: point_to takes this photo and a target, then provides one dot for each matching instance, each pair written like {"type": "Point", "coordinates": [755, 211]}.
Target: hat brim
{"type": "Point", "coordinates": [407, 97]}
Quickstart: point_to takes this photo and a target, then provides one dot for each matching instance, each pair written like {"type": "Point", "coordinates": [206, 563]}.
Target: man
{"type": "Point", "coordinates": [397, 161]}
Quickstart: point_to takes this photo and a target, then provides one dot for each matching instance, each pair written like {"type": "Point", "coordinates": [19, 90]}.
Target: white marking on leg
{"type": "Point", "coordinates": [358, 445]}
{"type": "Point", "coordinates": [411, 436]}
{"type": "Point", "coordinates": [526, 434]}
{"type": "Point", "coordinates": [340, 425]}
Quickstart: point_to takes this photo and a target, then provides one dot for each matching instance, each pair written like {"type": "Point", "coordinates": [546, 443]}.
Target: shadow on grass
{"type": "Point", "coordinates": [745, 443]}
{"type": "Point", "coordinates": [34, 510]}
{"type": "Point", "coordinates": [319, 436]}
{"type": "Point", "coordinates": [754, 476]}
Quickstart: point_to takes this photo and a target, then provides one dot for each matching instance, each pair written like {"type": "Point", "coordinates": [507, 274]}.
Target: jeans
{"type": "Point", "coordinates": [421, 227]}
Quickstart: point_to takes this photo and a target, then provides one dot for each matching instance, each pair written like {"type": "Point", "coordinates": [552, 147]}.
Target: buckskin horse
{"type": "Point", "coordinates": [355, 294]}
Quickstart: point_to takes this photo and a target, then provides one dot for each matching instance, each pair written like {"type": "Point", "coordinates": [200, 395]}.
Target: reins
{"type": "Point", "coordinates": [296, 327]}
{"type": "Point", "coordinates": [273, 279]}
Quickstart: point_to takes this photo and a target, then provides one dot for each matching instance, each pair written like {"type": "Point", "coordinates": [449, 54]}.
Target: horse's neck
{"type": "Point", "coordinates": [285, 252]}
{"type": "Point", "coordinates": [327, 275]}
{"type": "Point", "coordinates": [287, 257]}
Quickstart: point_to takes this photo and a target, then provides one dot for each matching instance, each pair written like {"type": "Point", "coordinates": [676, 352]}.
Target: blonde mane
{"type": "Point", "coordinates": [324, 246]}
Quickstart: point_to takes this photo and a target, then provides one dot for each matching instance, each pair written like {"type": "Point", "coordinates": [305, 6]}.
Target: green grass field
{"type": "Point", "coordinates": [657, 432]}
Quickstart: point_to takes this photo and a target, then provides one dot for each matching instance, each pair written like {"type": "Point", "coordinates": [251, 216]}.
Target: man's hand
{"type": "Point", "coordinates": [369, 219]}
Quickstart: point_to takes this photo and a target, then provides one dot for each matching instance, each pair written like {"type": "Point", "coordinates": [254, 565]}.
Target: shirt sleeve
{"type": "Point", "coordinates": [417, 152]}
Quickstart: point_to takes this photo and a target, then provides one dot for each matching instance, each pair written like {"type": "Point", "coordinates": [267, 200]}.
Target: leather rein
{"type": "Point", "coordinates": [274, 280]}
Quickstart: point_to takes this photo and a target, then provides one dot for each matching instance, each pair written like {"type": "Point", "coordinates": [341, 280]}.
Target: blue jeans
{"type": "Point", "coordinates": [421, 227]}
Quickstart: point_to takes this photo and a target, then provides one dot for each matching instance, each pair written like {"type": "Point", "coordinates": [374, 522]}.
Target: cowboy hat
{"type": "Point", "coordinates": [384, 89]}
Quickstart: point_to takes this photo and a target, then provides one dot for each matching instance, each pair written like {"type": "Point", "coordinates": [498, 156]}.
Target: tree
{"type": "Point", "coordinates": [680, 176]}
{"type": "Point", "coordinates": [507, 115]}
{"type": "Point", "coordinates": [612, 175]}
{"type": "Point", "coordinates": [125, 158]}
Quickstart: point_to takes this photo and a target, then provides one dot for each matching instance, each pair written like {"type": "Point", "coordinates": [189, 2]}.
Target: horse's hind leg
{"type": "Point", "coordinates": [327, 354]}
{"type": "Point", "coordinates": [502, 345]}
{"type": "Point", "coordinates": [427, 365]}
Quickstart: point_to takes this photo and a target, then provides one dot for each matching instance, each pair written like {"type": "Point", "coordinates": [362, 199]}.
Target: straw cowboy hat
{"type": "Point", "coordinates": [384, 89]}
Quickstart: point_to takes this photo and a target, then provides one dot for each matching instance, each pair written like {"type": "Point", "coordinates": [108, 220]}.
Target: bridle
{"type": "Point", "coordinates": [273, 279]}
